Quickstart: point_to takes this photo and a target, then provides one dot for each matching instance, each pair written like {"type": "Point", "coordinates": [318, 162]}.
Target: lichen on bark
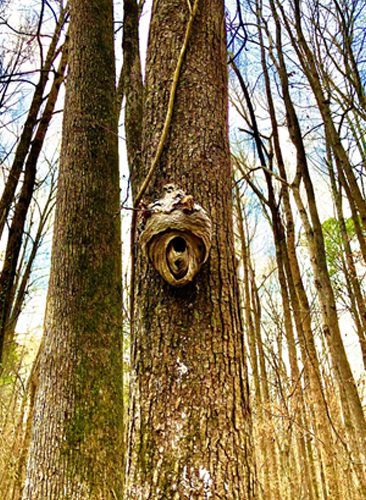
{"type": "Point", "coordinates": [77, 444]}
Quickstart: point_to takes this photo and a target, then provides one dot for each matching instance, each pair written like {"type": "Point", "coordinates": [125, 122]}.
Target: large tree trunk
{"type": "Point", "coordinates": [76, 444]}
{"type": "Point", "coordinates": [189, 430]}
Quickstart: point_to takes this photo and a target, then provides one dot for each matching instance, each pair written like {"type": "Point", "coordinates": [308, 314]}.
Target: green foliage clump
{"type": "Point", "coordinates": [334, 245]}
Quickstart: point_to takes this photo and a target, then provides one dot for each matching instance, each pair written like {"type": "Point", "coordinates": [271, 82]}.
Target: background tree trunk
{"type": "Point", "coordinates": [29, 125]}
{"type": "Point", "coordinates": [17, 227]}
{"type": "Point", "coordinates": [76, 444]}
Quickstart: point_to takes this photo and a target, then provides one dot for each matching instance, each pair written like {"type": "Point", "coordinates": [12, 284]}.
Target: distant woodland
{"type": "Point", "coordinates": [183, 249]}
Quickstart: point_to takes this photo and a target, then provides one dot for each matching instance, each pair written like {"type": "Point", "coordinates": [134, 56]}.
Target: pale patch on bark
{"type": "Point", "coordinates": [207, 481]}
{"type": "Point", "coordinates": [182, 369]}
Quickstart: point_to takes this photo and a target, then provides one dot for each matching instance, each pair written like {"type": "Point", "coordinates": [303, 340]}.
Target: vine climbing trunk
{"type": "Point", "coordinates": [76, 438]}
{"type": "Point", "coordinates": [189, 432]}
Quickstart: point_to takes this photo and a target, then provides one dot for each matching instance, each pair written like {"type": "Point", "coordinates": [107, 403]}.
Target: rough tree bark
{"type": "Point", "coordinates": [76, 444]}
{"type": "Point", "coordinates": [189, 434]}
{"type": "Point", "coordinates": [131, 87]}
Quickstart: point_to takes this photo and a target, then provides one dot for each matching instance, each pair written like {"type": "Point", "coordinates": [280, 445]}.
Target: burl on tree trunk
{"type": "Point", "coordinates": [176, 236]}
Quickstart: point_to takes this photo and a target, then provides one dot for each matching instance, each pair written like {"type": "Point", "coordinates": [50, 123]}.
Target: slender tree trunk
{"type": "Point", "coordinates": [290, 337]}
{"type": "Point", "coordinates": [314, 236]}
{"type": "Point", "coordinates": [23, 275]}
{"type": "Point", "coordinates": [76, 440]}
{"type": "Point", "coordinates": [308, 63]}
{"type": "Point", "coordinates": [30, 123]}
{"type": "Point", "coordinates": [8, 272]}
{"type": "Point", "coordinates": [355, 292]}
{"type": "Point", "coordinates": [131, 83]}
{"type": "Point", "coordinates": [280, 241]}
{"type": "Point", "coordinates": [23, 432]}
{"type": "Point", "coordinates": [286, 279]}
{"type": "Point", "coordinates": [267, 469]}
{"type": "Point", "coordinates": [189, 433]}
{"type": "Point", "coordinates": [269, 428]}
{"type": "Point", "coordinates": [302, 313]}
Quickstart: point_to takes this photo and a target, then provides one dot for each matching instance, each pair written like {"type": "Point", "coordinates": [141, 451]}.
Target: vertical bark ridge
{"type": "Point", "coordinates": [190, 431]}
{"type": "Point", "coordinates": [76, 444]}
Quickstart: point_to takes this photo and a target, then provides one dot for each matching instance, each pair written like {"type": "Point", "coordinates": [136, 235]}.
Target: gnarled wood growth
{"type": "Point", "coordinates": [177, 236]}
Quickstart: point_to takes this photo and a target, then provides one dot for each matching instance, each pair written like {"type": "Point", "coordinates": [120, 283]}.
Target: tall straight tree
{"type": "Point", "coordinates": [76, 444]}
{"type": "Point", "coordinates": [189, 433]}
